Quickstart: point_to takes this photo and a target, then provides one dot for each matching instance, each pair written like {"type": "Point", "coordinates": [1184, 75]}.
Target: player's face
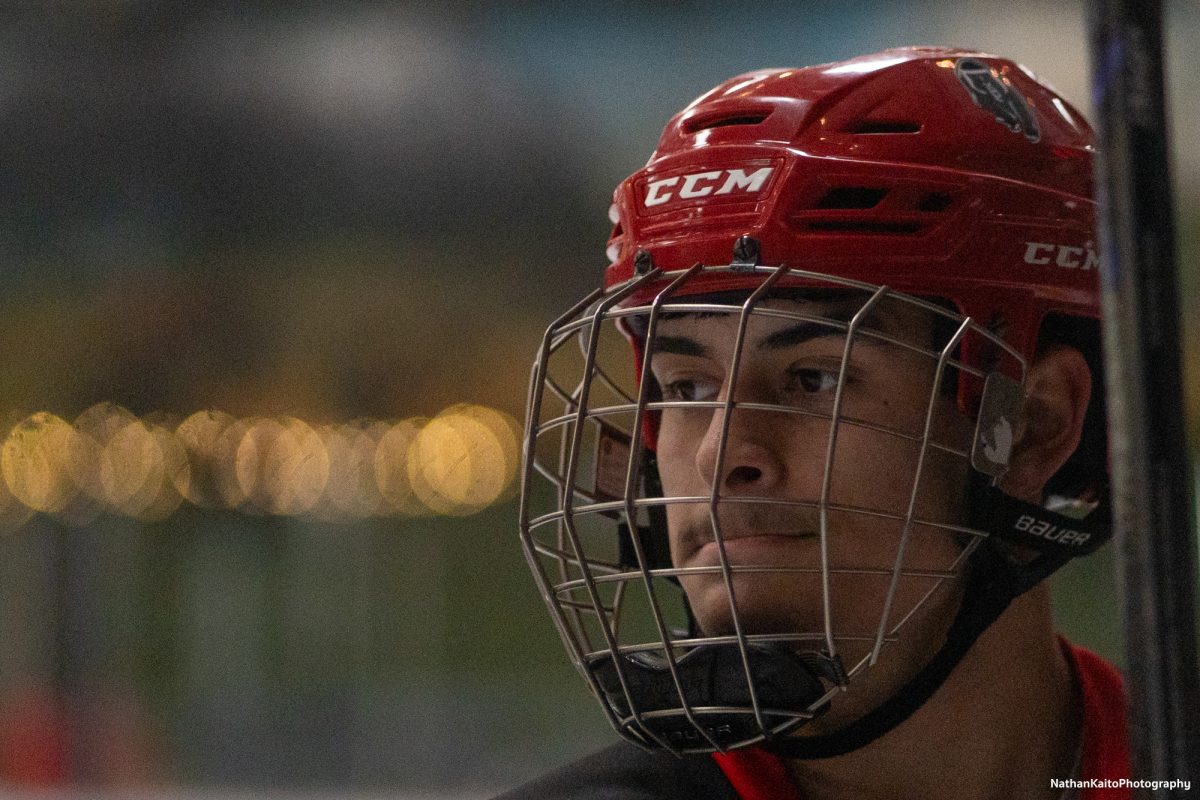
{"type": "Point", "coordinates": [780, 454]}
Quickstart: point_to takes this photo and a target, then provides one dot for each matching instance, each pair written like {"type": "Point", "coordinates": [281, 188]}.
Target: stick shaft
{"type": "Point", "coordinates": [1151, 489]}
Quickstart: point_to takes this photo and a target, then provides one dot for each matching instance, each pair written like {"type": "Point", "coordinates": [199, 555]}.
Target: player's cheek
{"type": "Point", "coordinates": [676, 451]}
{"type": "Point", "coordinates": [871, 470]}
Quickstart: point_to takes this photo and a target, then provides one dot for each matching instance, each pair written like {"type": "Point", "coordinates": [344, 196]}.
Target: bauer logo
{"type": "Point", "coordinates": [1062, 255]}
{"type": "Point", "coordinates": [1051, 532]}
{"type": "Point", "coordinates": [714, 183]}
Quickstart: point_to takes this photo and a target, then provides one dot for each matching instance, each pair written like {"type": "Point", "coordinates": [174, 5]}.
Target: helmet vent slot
{"type": "Point", "coordinates": [864, 226]}
{"type": "Point", "coordinates": [935, 201]}
{"type": "Point", "coordinates": [886, 126]}
{"type": "Point", "coordinates": [858, 197]}
{"type": "Point", "coordinates": [741, 118]}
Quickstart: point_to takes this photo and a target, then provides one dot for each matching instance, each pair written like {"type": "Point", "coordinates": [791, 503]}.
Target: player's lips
{"type": "Point", "coordinates": [746, 543]}
{"type": "Point", "coordinates": [797, 534]}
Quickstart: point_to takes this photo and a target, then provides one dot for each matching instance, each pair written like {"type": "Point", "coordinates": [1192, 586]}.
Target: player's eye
{"type": "Point", "coordinates": [811, 381]}
{"type": "Point", "coordinates": [690, 389]}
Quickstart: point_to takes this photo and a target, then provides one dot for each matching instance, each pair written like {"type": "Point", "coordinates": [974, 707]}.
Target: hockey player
{"type": "Point", "coordinates": [797, 541]}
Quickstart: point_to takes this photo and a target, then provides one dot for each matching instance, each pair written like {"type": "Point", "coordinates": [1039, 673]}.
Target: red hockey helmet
{"type": "Point", "coordinates": [933, 171]}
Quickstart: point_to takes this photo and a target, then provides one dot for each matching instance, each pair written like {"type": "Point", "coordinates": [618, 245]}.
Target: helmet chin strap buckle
{"type": "Point", "coordinates": [713, 680]}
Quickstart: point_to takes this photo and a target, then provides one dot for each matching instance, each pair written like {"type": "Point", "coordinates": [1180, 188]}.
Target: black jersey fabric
{"type": "Point", "coordinates": [626, 772]}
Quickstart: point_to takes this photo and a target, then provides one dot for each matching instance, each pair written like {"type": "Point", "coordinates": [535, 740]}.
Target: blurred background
{"type": "Point", "coordinates": [257, 256]}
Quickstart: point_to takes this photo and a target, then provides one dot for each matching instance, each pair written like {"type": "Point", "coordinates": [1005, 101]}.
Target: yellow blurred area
{"type": "Point", "coordinates": [463, 460]}
{"type": "Point", "coordinates": [36, 460]}
{"type": "Point", "coordinates": [110, 461]}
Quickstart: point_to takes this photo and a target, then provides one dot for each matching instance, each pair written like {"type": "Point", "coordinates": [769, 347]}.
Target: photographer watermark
{"type": "Point", "coordinates": [1117, 783]}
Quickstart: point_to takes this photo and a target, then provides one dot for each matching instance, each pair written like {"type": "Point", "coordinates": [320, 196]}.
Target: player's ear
{"type": "Point", "coordinates": [1057, 390]}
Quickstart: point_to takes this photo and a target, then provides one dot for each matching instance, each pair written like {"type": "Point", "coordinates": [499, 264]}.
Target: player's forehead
{"type": "Point", "coordinates": [811, 316]}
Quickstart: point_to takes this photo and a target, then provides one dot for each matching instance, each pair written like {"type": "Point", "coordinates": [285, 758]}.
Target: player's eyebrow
{"type": "Point", "coordinates": [807, 330]}
{"type": "Point", "coordinates": [682, 345]}
{"type": "Point", "coordinates": [801, 332]}
{"type": "Point", "coordinates": [679, 345]}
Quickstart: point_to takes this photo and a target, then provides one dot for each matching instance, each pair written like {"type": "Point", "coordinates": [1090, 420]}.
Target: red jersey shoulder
{"type": "Point", "coordinates": [1105, 732]}
{"type": "Point", "coordinates": [759, 775]}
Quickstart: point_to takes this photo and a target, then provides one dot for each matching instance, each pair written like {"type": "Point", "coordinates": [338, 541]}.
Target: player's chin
{"type": "Point", "coordinates": [765, 604]}
{"type": "Point", "coordinates": [793, 609]}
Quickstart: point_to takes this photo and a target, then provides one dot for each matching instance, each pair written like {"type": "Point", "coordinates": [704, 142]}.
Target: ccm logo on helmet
{"type": "Point", "coordinates": [702, 184]}
{"type": "Point", "coordinates": [1061, 255]}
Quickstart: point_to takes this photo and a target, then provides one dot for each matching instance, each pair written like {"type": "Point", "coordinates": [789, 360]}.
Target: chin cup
{"type": "Point", "coordinates": [715, 689]}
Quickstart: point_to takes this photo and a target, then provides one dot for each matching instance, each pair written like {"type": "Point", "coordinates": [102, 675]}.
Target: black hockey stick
{"type": "Point", "coordinates": [1156, 546]}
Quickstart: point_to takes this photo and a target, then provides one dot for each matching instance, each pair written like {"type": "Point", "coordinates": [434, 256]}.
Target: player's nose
{"type": "Point", "coordinates": [749, 461]}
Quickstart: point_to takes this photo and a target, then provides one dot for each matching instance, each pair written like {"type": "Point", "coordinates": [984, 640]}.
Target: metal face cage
{"type": "Point", "coordinates": [736, 519]}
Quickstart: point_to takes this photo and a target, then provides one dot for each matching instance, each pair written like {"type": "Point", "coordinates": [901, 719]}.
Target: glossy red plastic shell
{"type": "Point", "coordinates": [886, 169]}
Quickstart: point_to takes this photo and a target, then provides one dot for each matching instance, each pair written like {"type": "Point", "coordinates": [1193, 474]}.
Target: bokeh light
{"type": "Point", "coordinates": [282, 466]}
{"type": "Point", "coordinates": [459, 463]}
{"type": "Point", "coordinates": [160, 497]}
{"type": "Point", "coordinates": [196, 478]}
{"type": "Point", "coordinates": [34, 460]}
{"type": "Point", "coordinates": [456, 463]}
{"type": "Point", "coordinates": [391, 467]}
{"type": "Point", "coordinates": [352, 490]}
